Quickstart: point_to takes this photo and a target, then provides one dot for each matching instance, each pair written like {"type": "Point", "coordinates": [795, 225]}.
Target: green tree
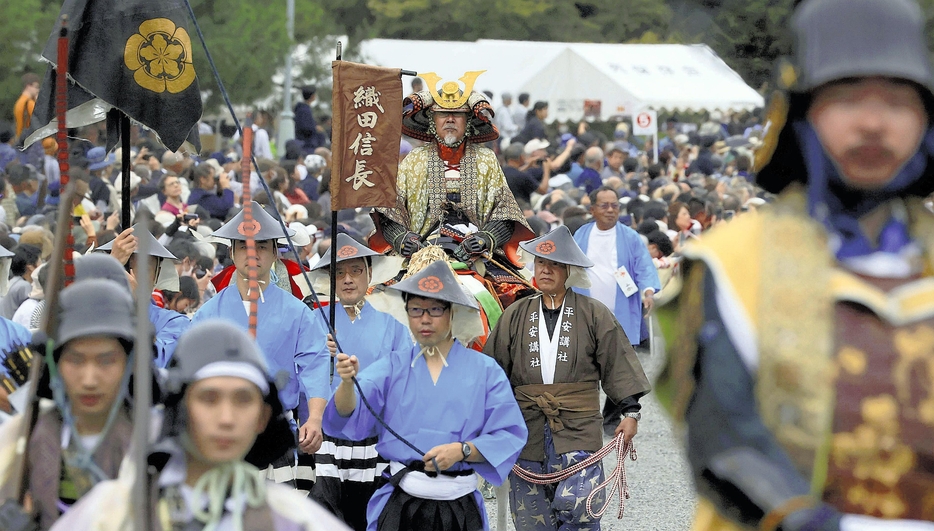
{"type": "Point", "coordinates": [749, 35]}
{"type": "Point", "coordinates": [537, 20]}
{"type": "Point", "coordinates": [248, 42]}
{"type": "Point", "coordinates": [24, 28]}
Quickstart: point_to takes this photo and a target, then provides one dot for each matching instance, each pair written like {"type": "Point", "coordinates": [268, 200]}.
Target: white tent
{"type": "Point", "coordinates": [617, 79]}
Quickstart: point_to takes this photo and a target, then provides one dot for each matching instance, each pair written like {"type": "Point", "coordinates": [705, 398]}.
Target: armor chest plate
{"type": "Point", "coordinates": [881, 459]}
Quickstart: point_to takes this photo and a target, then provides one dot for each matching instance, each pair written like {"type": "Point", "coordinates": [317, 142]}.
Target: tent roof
{"type": "Point", "coordinates": [624, 78]}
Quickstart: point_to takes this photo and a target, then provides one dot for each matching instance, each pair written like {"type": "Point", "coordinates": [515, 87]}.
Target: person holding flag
{"type": "Point", "coordinates": [345, 485]}
{"type": "Point", "coordinates": [286, 331]}
{"type": "Point", "coordinates": [467, 424]}
{"type": "Point", "coordinates": [169, 325]}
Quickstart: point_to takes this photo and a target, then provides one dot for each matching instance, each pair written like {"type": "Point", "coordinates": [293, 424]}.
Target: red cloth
{"type": "Point", "coordinates": [158, 298]}
{"type": "Point", "coordinates": [452, 156]}
{"type": "Point", "coordinates": [297, 197]}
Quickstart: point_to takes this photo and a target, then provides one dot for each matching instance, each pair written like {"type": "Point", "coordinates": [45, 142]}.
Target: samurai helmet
{"type": "Point", "coordinates": [418, 109]}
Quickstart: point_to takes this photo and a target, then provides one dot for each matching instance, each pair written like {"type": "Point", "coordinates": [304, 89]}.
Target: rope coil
{"type": "Point", "coordinates": [616, 481]}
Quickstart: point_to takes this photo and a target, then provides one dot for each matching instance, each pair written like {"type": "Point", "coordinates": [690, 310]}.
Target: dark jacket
{"type": "Point", "coordinates": [534, 128]}
{"type": "Point", "coordinates": [704, 163]}
{"type": "Point", "coordinates": [306, 129]}
{"type": "Point", "coordinates": [217, 206]}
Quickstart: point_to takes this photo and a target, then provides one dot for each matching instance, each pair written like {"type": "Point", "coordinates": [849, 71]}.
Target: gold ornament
{"type": "Point", "coordinates": [160, 56]}
{"type": "Point", "coordinates": [775, 120]}
{"type": "Point", "coordinates": [451, 96]}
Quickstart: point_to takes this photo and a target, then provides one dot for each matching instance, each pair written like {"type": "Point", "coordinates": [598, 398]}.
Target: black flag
{"type": "Point", "coordinates": [129, 56]}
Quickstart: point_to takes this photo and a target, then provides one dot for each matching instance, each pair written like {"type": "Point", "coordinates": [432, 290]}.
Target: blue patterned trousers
{"type": "Point", "coordinates": [559, 506]}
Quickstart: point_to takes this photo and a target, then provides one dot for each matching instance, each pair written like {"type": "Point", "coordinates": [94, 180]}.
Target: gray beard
{"type": "Point", "coordinates": [450, 140]}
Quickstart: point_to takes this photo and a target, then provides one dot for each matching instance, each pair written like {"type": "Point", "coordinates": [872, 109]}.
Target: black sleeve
{"type": "Point", "coordinates": [730, 450]}
{"type": "Point", "coordinates": [499, 232]}
{"type": "Point", "coordinates": [173, 228]}
{"type": "Point", "coordinates": [630, 404]}
{"type": "Point", "coordinates": [392, 233]}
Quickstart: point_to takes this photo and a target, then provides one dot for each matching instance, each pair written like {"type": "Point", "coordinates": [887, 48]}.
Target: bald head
{"type": "Point", "coordinates": [593, 158]}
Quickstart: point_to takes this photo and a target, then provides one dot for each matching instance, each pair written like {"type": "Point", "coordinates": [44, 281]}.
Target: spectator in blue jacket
{"type": "Point", "coordinates": [214, 194]}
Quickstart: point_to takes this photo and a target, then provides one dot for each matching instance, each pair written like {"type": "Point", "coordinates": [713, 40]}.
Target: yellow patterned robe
{"type": "Point", "coordinates": [485, 196]}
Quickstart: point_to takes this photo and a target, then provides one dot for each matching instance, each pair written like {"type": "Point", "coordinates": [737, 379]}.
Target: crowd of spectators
{"type": "Point", "coordinates": [701, 179]}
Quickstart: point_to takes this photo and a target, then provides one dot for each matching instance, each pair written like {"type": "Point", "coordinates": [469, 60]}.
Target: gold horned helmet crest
{"type": "Point", "coordinates": [451, 96]}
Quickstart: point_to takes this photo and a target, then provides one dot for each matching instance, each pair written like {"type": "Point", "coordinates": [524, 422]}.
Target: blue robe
{"type": "Point", "coordinates": [169, 327]}
{"type": "Point", "coordinates": [472, 401]}
{"type": "Point", "coordinates": [371, 336]}
{"type": "Point", "coordinates": [631, 252]}
{"type": "Point", "coordinates": [285, 333]}
{"type": "Point", "coordinates": [12, 336]}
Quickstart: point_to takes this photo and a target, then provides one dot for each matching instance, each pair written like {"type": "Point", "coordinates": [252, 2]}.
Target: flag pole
{"type": "Point", "coordinates": [125, 171]}
{"type": "Point", "coordinates": [249, 229]}
{"type": "Point", "coordinates": [61, 139]}
{"type": "Point", "coordinates": [60, 267]}
{"type": "Point", "coordinates": [332, 308]}
{"type": "Point", "coordinates": [142, 385]}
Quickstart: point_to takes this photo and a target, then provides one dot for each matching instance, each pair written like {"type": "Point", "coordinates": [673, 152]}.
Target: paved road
{"type": "Point", "coordinates": [659, 481]}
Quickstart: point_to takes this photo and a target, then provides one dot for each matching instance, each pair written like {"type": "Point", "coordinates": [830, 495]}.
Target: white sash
{"type": "Point", "coordinates": [441, 487]}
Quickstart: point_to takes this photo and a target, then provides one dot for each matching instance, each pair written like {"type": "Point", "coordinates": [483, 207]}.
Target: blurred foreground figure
{"type": "Point", "coordinates": [222, 414]}
{"type": "Point", "coordinates": [806, 356]}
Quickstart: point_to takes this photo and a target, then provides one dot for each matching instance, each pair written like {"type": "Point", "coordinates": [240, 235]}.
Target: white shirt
{"type": "Point", "coordinates": [504, 122]}
{"type": "Point", "coordinates": [518, 115]}
{"type": "Point", "coordinates": [261, 147]}
{"type": "Point", "coordinates": [24, 312]}
{"type": "Point", "coordinates": [601, 249]}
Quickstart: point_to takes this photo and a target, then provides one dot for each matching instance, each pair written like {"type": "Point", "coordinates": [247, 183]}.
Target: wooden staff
{"type": "Point", "coordinates": [61, 137]}
{"type": "Point", "coordinates": [249, 228]}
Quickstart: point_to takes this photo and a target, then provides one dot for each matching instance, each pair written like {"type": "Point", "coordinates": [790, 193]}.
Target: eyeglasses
{"type": "Point", "coordinates": [607, 206]}
{"type": "Point", "coordinates": [354, 271]}
{"type": "Point", "coordinates": [434, 311]}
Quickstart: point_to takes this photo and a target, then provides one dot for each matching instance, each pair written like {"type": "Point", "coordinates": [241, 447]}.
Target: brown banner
{"type": "Point", "coordinates": [365, 136]}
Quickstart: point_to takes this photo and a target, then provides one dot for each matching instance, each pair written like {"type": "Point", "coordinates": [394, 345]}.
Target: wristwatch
{"type": "Point", "coordinates": [465, 448]}
{"type": "Point", "coordinates": [633, 415]}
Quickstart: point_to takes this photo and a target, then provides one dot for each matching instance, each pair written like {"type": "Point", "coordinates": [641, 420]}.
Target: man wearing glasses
{"type": "Point", "coordinates": [448, 401]}
{"type": "Point", "coordinates": [623, 276]}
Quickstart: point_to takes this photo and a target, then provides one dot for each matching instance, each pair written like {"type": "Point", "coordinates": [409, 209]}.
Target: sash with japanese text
{"type": "Point", "coordinates": [366, 134]}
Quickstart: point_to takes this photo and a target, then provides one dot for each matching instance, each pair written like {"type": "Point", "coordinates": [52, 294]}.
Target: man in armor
{"type": "Point", "coordinates": [452, 184]}
{"type": "Point", "coordinates": [804, 367]}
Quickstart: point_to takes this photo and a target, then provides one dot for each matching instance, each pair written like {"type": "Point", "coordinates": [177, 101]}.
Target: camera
{"type": "Point", "coordinates": [190, 217]}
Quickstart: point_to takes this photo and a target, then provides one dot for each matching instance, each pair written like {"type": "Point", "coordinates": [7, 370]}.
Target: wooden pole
{"type": "Point", "coordinates": [248, 229]}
